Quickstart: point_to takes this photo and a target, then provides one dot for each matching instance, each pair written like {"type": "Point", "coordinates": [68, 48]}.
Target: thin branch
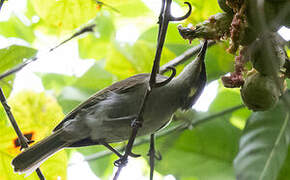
{"type": "Point", "coordinates": [152, 155]}
{"type": "Point", "coordinates": [183, 57]}
{"type": "Point", "coordinates": [17, 68]}
{"type": "Point", "coordinates": [22, 139]}
{"type": "Point", "coordinates": [85, 29]}
{"type": "Point", "coordinates": [109, 6]}
{"type": "Point", "coordinates": [39, 174]}
{"type": "Point", "coordinates": [180, 127]}
{"type": "Point", "coordinates": [164, 19]}
{"type": "Point", "coordinates": [116, 176]}
{"type": "Point", "coordinates": [88, 28]}
{"type": "Point", "coordinates": [1, 4]}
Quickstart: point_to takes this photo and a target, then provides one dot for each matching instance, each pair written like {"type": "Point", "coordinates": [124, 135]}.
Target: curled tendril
{"type": "Point", "coordinates": [134, 155]}
{"type": "Point", "coordinates": [158, 156]}
{"type": "Point", "coordinates": [163, 83]}
{"type": "Point", "coordinates": [172, 18]}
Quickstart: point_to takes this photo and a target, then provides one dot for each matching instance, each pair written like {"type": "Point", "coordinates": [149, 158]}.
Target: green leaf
{"type": "Point", "coordinates": [173, 42]}
{"type": "Point", "coordinates": [125, 7]}
{"type": "Point", "coordinates": [13, 55]}
{"type": "Point", "coordinates": [96, 45]}
{"type": "Point", "coordinates": [238, 117]}
{"type": "Point", "coordinates": [76, 90]}
{"type": "Point", "coordinates": [129, 60]}
{"type": "Point", "coordinates": [118, 64]}
{"type": "Point", "coordinates": [201, 10]}
{"type": "Point", "coordinates": [91, 47]}
{"type": "Point", "coordinates": [264, 145]}
{"type": "Point", "coordinates": [7, 85]}
{"type": "Point", "coordinates": [10, 57]}
{"type": "Point", "coordinates": [15, 28]}
{"type": "Point", "coordinates": [285, 170]}
{"type": "Point", "coordinates": [219, 102]}
{"type": "Point", "coordinates": [218, 61]}
{"type": "Point", "coordinates": [194, 154]}
{"type": "Point", "coordinates": [70, 97]}
{"type": "Point", "coordinates": [64, 15]}
{"type": "Point", "coordinates": [3, 117]}
{"type": "Point", "coordinates": [56, 82]}
{"type": "Point", "coordinates": [96, 78]}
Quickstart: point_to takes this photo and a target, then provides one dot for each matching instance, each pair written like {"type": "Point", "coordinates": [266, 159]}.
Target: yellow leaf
{"type": "Point", "coordinates": [65, 15]}
{"type": "Point", "coordinates": [36, 114]}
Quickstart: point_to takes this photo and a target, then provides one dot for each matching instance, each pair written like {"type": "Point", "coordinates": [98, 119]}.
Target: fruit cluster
{"type": "Point", "coordinates": [252, 30]}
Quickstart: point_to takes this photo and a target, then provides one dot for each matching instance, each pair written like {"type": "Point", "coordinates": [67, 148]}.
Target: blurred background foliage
{"type": "Point", "coordinates": [204, 152]}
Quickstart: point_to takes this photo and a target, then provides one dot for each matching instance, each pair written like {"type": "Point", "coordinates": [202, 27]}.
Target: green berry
{"type": "Point", "coordinates": [260, 93]}
{"type": "Point", "coordinates": [267, 55]}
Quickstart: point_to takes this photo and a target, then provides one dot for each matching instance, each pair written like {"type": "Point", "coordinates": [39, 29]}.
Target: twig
{"type": "Point", "coordinates": [109, 6]}
{"type": "Point", "coordinates": [1, 4]}
{"type": "Point", "coordinates": [17, 68]}
{"type": "Point", "coordinates": [180, 126]}
{"type": "Point", "coordinates": [183, 57]}
{"type": "Point", "coordinates": [22, 139]}
{"type": "Point", "coordinates": [39, 174]}
{"type": "Point", "coordinates": [88, 28]}
{"type": "Point", "coordinates": [152, 155]}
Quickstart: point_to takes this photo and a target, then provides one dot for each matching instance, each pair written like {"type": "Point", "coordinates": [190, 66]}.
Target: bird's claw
{"type": "Point", "coordinates": [136, 123]}
{"type": "Point", "coordinates": [121, 162]}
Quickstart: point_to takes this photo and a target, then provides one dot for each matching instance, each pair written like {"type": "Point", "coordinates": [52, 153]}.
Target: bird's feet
{"type": "Point", "coordinates": [136, 123]}
{"type": "Point", "coordinates": [121, 162]}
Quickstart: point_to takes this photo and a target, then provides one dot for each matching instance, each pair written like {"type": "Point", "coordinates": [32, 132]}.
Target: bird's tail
{"type": "Point", "coordinates": [31, 158]}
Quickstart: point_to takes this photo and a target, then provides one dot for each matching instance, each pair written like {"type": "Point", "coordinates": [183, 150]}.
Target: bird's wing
{"type": "Point", "coordinates": [119, 87]}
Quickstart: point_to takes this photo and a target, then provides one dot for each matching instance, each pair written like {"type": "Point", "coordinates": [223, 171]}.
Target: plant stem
{"type": "Point", "coordinates": [88, 28]}
{"type": "Point", "coordinates": [184, 57]}
{"type": "Point", "coordinates": [1, 4]}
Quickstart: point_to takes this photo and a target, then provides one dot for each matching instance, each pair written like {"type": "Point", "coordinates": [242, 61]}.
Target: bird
{"type": "Point", "coordinates": [106, 116]}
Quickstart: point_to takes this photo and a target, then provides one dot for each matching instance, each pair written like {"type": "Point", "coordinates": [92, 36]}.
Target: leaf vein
{"type": "Point", "coordinates": [279, 137]}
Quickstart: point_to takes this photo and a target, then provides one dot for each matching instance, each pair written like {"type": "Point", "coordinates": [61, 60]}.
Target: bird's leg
{"type": "Point", "coordinates": [111, 148]}
{"type": "Point", "coordinates": [152, 155]}
{"type": "Point", "coordinates": [116, 151]}
{"type": "Point", "coordinates": [136, 124]}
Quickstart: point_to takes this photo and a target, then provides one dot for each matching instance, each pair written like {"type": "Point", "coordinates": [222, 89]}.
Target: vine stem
{"type": "Point", "coordinates": [164, 18]}
{"type": "Point", "coordinates": [1, 4]}
{"type": "Point", "coordinates": [88, 28]}
{"type": "Point", "coordinates": [22, 139]}
{"type": "Point", "coordinates": [184, 57]}
{"type": "Point", "coordinates": [180, 127]}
